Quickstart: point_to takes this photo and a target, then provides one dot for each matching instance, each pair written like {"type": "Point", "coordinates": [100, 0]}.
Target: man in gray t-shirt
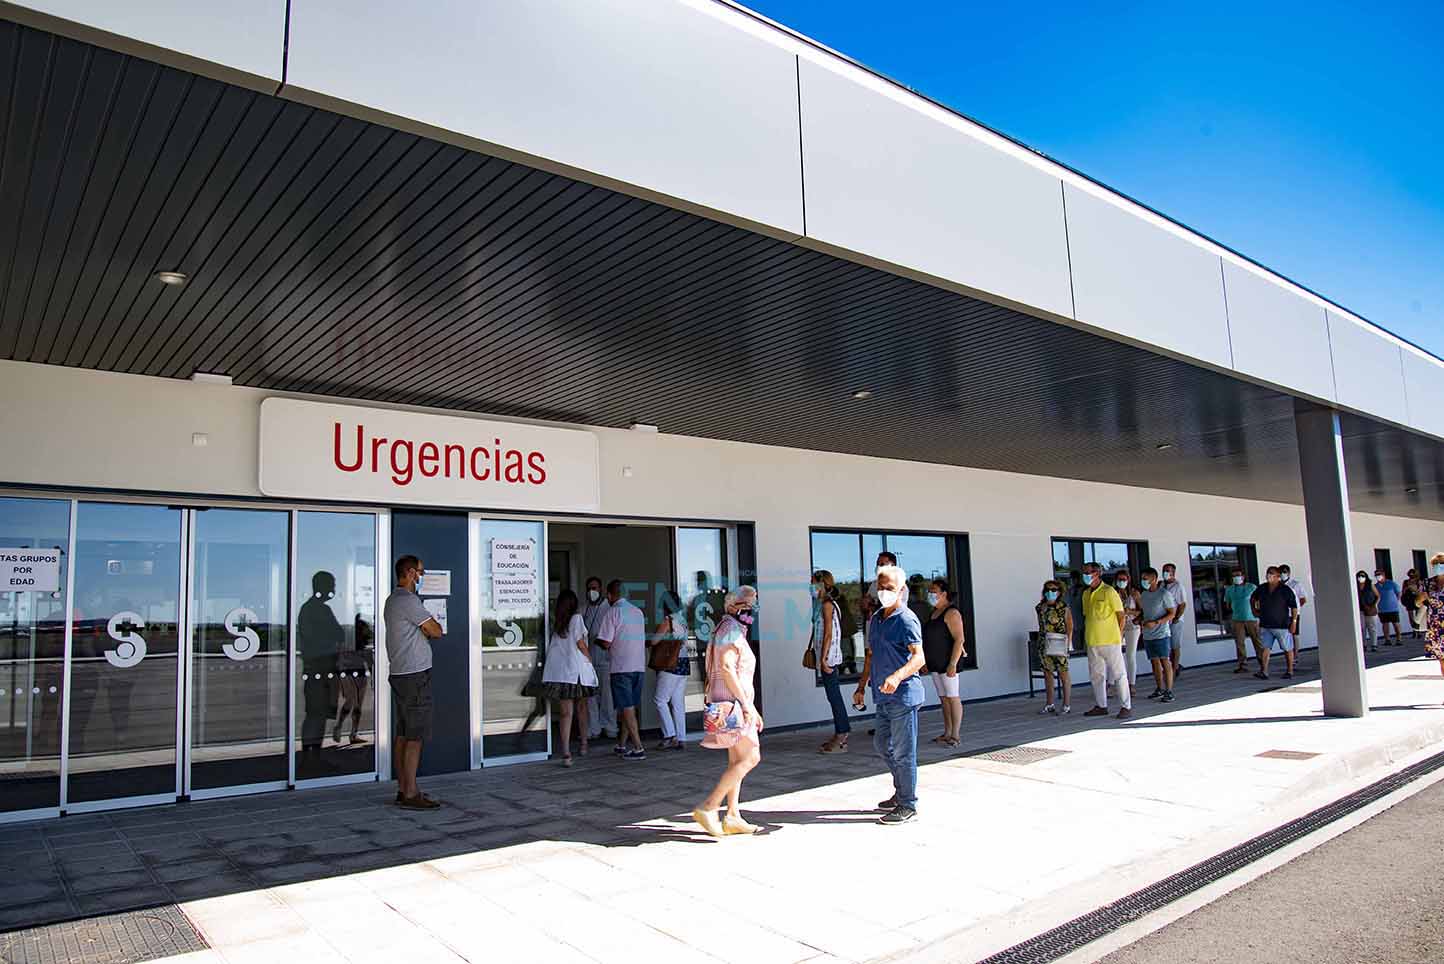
{"type": "Point", "coordinates": [410, 627]}
{"type": "Point", "coordinates": [1157, 615]}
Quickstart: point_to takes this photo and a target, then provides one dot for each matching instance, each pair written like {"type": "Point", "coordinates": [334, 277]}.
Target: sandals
{"type": "Point", "coordinates": [567, 760]}
{"type": "Point", "coordinates": [833, 746]}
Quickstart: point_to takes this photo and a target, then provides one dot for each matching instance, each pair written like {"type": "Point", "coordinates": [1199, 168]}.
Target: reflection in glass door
{"type": "Point", "coordinates": [237, 677]}
{"type": "Point", "coordinates": [32, 657]}
{"type": "Point", "coordinates": [701, 556]}
{"type": "Point", "coordinates": [508, 628]}
{"type": "Point", "coordinates": [124, 673]}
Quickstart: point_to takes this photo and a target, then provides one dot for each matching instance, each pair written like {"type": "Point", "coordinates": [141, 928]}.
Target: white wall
{"type": "Point", "coordinates": [131, 432]}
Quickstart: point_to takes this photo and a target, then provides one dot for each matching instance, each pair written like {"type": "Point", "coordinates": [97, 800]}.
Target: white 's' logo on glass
{"type": "Point", "coordinates": [246, 643]}
{"type": "Point", "coordinates": [130, 649]}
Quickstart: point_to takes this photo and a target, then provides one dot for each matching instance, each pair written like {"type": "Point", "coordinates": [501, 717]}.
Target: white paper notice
{"type": "Point", "coordinates": [29, 570]}
{"type": "Point", "coordinates": [437, 608]}
{"type": "Point", "coordinates": [513, 574]}
{"type": "Point", "coordinates": [435, 582]}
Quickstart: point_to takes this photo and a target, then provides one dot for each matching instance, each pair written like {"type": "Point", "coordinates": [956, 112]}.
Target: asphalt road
{"type": "Point", "coordinates": [1374, 894]}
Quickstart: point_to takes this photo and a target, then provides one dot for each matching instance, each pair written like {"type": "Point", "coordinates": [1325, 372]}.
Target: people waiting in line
{"type": "Point", "coordinates": [1411, 589]}
{"type": "Point", "coordinates": [1301, 596]}
{"type": "Point", "coordinates": [673, 667]}
{"type": "Point", "coordinates": [601, 715]}
{"type": "Point", "coordinates": [410, 628]}
{"type": "Point", "coordinates": [1055, 638]}
{"type": "Point", "coordinates": [1389, 607]}
{"type": "Point", "coordinates": [826, 643]}
{"type": "Point", "coordinates": [894, 660]}
{"type": "Point", "coordinates": [1278, 611]}
{"type": "Point", "coordinates": [730, 665]}
{"type": "Point", "coordinates": [1433, 594]}
{"type": "Point", "coordinates": [568, 678]}
{"type": "Point", "coordinates": [1155, 620]}
{"type": "Point", "coordinates": [1132, 631]}
{"type": "Point", "coordinates": [1103, 638]}
{"type": "Point", "coordinates": [944, 646]}
{"type": "Point", "coordinates": [1369, 626]}
{"type": "Point", "coordinates": [1179, 603]}
{"type": "Point", "coordinates": [623, 634]}
{"type": "Point", "coordinates": [1242, 618]}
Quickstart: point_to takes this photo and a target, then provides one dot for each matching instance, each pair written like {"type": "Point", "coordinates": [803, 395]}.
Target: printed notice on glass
{"type": "Point", "coordinates": [513, 574]}
{"type": "Point", "coordinates": [29, 570]}
{"type": "Point", "coordinates": [437, 608]}
{"type": "Point", "coordinates": [435, 582]}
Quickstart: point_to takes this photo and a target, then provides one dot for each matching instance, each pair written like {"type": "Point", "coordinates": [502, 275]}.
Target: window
{"type": "Point", "coordinates": [1383, 560]}
{"type": "Point", "coordinates": [1212, 566]}
{"type": "Point", "coordinates": [850, 556]}
{"type": "Point", "coordinates": [1421, 563]}
{"type": "Point", "coordinates": [1114, 555]}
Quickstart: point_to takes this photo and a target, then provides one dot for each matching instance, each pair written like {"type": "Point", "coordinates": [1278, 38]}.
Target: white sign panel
{"type": "Point", "coordinates": [513, 574]}
{"type": "Point", "coordinates": [437, 608]}
{"type": "Point", "coordinates": [435, 582]}
{"type": "Point", "coordinates": [316, 450]}
{"type": "Point", "coordinates": [29, 570]}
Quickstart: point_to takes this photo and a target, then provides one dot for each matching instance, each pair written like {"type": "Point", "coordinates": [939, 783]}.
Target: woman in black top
{"type": "Point", "coordinates": [943, 647]}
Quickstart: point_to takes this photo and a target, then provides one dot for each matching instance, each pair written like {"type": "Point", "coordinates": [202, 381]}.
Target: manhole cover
{"type": "Point", "coordinates": [1286, 755]}
{"type": "Point", "coordinates": [115, 939]}
{"type": "Point", "coordinates": [1019, 755]}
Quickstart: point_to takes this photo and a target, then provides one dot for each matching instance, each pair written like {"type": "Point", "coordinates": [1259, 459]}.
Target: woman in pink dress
{"type": "Point", "coordinates": [730, 666]}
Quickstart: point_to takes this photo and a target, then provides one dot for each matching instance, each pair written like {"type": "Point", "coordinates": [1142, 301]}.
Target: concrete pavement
{"type": "Point", "coordinates": [600, 863]}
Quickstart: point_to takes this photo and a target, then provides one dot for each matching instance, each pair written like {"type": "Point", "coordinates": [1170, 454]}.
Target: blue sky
{"type": "Point", "coordinates": [1310, 137]}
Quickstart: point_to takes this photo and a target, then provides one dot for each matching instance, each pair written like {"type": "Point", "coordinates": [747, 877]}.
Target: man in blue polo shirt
{"type": "Point", "coordinates": [894, 659]}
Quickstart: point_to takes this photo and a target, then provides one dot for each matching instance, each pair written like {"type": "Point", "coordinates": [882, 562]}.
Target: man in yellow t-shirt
{"type": "Point", "coordinates": [1103, 634]}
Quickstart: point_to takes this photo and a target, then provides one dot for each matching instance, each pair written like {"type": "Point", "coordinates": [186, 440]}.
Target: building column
{"type": "Point", "coordinates": [1326, 517]}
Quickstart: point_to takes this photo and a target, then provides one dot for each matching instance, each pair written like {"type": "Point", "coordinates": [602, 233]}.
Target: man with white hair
{"type": "Point", "coordinates": [894, 659]}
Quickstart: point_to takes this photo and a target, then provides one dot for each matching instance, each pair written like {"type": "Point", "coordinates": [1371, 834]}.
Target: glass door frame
{"type": "Point", "coordinates": [479, 760]}
{"type": "Point", "coordinates": [188, 506]}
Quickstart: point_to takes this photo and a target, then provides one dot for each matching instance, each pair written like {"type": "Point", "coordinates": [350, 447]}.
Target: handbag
{"type": "Point", "coordinates": [809, 657]}
{"type": "Point", "coordinates": [665, 652]}
{"type": "Point", "coordinates": [722, 720]}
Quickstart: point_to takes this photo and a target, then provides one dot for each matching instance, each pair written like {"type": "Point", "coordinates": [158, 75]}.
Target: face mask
{"type": "Point", "coordinates": [593, 595]}
{"type": "Point", "coordinates": [1122, 583]}
{"type": "Point", "coordinates": [1283, 577]}
{"type": "Point", "coordinates": [1439, 569]}
{"type": "Point", "coordinates": [1168, 577]}
{"type": "Point", "coordinates": [887, 598]}
{"type": "Point", "coordinates": [1146, 583]}
{"type": "Point", "coordinates": [1052, 594]}
{"type": "Point", "coordinates": [1363, 579]}
{"type": "Point", "coordinates": [932, 599]}
{"type": "Point", "coordinates": [1238, 580]}
{"type": "Point", "coordinates": [744, 616]}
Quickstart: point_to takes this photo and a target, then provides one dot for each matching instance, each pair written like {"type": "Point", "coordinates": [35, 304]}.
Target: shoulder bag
{"type": "Point", "coordinates": [722, 719]}
{"type": "Point", "coordinates": [665, 652]}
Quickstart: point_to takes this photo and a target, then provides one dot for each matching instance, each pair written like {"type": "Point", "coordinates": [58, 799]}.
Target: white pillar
{"type": "Point", "coordinates": [1326, 516]}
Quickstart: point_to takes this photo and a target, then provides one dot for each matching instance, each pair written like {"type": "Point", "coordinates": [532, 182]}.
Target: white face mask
{"type": "Point", "coordinates": [887, 598]}
{"type": "Point", "coordinates": [1439, 569]}
{"type": "Point", "coordinates": [593, 595]}
{"type": "Point", "coordinates": [932, 599]}
{"type": "Point", "coordinates": [1121, 583]}
{"type": "Point", "coordinates": [1238, 580]}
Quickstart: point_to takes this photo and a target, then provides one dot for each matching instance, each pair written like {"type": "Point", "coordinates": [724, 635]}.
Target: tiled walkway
{"type": "Point", "coordinates": [600, 863]}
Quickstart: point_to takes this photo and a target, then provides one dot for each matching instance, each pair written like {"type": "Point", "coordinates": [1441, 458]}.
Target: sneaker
{"type": "Point", "coordinates": [1125, 713]}
{"type": "Point", "coordinates": [897, 815]}
{"type": "Point", "coordinates": [619, 750]}
{"type": "Point", "coordinates": [1050, 708]}
{"type": "Point", "coordinates": [1065, 710]}
{"type": "Point", "coordinates": [1167, 697]}
{"type": "Point", "coordinates": [1288, 676]}
{"type": "Point", "coordinates": [1260, 676]}
{"type": "Point", "coordinates": [1240, 669]}
{"type": "Point", "coordinates": [888, 805]}
{"type": "Point", "coordinates": [637, 754]}
{"type": "Point", "coordinates": [1097, 711]}
{"type": "Point", "coordinates": [1157, 692]}
{"type": "Point", "coordinates": [667, 743]}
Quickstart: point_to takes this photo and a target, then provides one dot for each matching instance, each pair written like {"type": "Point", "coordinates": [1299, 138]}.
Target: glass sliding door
{"type": "Point", "coordinates": [124, 672]}
{"type": "Point", "coordinates": [508, 635]}
{"type": "Point", "coordinates": [32, 652]}
{"type": "Point", "coordinates": [702, 581]}
{"type": "Point", "coordinates": [239, 627]}
{"type": "Point", "coordinates": [335, 612]}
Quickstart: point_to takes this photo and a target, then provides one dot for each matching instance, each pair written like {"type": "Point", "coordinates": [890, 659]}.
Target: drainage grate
{"type": "Point", "coordinates": [128, 938]}
{"type": "Point", "coordinates": [1302, 689]}
{"type": "Point", "coordinates": [1018, 755]}
{"type": "Point", "coordinates": [1066, 938]}
{"type": "Point", "coordinates": [1425, 676]}
{"type": "Point", "coordinates": [1285, 755]}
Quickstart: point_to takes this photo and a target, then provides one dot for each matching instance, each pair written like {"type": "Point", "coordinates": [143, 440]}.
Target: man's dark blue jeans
{"type": "Point", "coordinates": [896, 741]}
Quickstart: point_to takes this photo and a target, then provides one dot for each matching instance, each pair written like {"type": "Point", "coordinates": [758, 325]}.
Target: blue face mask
{"type": "Point", "coordinates": [1146, 583]}
{"type": "Point", "coordinates": [1439, 570]}
{"type": "Point", "coordinates": [1052, 594]}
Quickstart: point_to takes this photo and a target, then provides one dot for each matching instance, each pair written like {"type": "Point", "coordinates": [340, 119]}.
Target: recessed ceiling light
{"type": "Point", "coordinates": [642, 427]}
{"type": "Point", "coordinates": [172, 277]}
{"type": "Point", "coordinates": [862, 394]}
{"type": "Point", "coordinates": [1411, 491]}
{"type": "Point", "coordinates": [1164, 446]}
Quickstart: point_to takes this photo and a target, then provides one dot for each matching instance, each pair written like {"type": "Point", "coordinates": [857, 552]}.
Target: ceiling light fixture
{"type": "Point", "coordinates": [1164, 446]}
{"type": "Point", "coordinates": [176, 278]}
{"type": "Point", "coordinates": [864, 394]}
{"type": "Point", "coordinates": [1411, 490]}
{"type": "Point", "coordinates": [643, 427]}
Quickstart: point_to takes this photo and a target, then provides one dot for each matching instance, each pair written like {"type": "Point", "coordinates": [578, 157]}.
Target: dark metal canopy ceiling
{"type": "Point", "coordinates": [335, 256]}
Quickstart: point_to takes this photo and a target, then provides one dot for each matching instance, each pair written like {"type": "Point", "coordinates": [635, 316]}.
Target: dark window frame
{"type": "Point", "coordinates": [1077, 555]}
{"type": "Point", "coordinates": [960, 578]}
{"type": "Point", "coordinates": [1384, 559]}
{"type": "Point", "coordinates": [1248, 561]}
